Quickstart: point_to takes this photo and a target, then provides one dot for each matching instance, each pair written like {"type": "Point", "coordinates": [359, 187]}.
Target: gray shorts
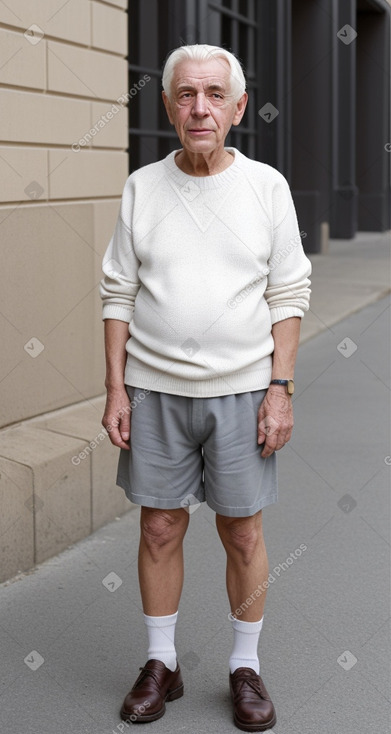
{"type": "Point", "coordinates": [184, 451]}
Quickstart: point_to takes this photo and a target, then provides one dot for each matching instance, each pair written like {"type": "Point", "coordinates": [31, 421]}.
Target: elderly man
{"type": "Point", "coordinates": [205, 283]}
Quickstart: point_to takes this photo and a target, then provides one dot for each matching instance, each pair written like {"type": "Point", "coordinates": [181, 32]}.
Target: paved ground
{"type": "Point", "coordinates": [71, 646]}
{"type": "Point", "coordinates": [351, 275]}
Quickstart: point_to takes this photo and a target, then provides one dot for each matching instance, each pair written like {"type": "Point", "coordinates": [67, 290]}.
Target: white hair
{"type": "Point", "coordinates": [203, 52]}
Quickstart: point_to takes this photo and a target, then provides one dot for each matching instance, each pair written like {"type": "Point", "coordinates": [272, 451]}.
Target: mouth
{"type": "Point", "coordinates": [199, 131]}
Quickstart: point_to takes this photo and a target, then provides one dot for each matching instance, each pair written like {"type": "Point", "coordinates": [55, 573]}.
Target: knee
{"type": "Point", "coordinates": [160, 528]}
{"type": "Point", "coordinates": [243, 536]}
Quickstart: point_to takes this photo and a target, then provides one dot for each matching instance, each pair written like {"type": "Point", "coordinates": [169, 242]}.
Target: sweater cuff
{"type": "Point", "coordinates": [284, 312]}
{"type": "Point", "coordinates": [113, 311]}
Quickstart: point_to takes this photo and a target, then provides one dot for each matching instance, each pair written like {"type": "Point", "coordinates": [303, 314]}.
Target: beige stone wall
{"type": "Point", "coordinates": [63, 164]}
{"type": "Point", "coordinates": [58, 204]}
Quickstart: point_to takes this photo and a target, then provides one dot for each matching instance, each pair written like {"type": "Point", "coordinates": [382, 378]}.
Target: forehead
{"type": "Point", "coordinates": [201, 72]}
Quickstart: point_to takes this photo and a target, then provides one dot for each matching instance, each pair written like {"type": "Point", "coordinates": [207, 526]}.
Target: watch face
{"type": "Point", "coordinates": [290, 387]}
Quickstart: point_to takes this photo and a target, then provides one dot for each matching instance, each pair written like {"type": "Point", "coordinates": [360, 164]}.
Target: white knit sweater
{"type": "Point", "coordinates": [200, 268]}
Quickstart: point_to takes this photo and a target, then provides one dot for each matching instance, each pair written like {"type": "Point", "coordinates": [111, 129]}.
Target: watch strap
{"type": "Point", "coordinates": [289, 384]}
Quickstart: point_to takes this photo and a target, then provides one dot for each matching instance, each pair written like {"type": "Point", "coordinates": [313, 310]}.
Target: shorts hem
{"type": "Point", "coordinates": [175, 504]}
{"type": "Point", "coordinates": [242, 511]}
{"type": "Point", "coordinates": [158, 503]}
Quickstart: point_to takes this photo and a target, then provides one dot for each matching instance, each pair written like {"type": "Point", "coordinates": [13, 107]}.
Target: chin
{"type": "Point", "coordinates": [199, 146]}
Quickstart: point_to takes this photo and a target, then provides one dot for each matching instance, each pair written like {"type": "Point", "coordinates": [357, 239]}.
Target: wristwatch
{"type": "Point", "coordinates": [289, 384]}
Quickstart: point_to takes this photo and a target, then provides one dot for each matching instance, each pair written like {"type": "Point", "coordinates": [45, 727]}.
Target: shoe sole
{"type": "Point", "coordinates": [255, 727]}
{"type": "Point", "coordinates": [144, 719]}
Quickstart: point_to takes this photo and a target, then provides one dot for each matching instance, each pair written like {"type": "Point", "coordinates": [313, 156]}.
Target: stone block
{"type": "Point", "coordinates": [86, 174]}
{"type": "Point", "coordinates": [86, 73]}
{"type": "Point", "coordinates": [109, 28]}
{"type": "Point", "coordinates": [16, 518]}
{"type": "Point", "coordinates": [41, 118]}
{"type": "Point", "coordinates": [61, 490]}
{"type": "Point", "coordinates": [68, 20]}
{"type": "Point", "coordinates": [22, 63]}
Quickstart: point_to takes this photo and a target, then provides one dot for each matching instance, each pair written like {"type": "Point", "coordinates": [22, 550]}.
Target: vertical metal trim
{"type": "Point", "coordinates": [334, 94]}
{"type": "Point", "coordinates": [283, 85]}
{"type": "Point", "coordinates": [202, 19]}
{"type": "Point", "coordinates": [344, 194]}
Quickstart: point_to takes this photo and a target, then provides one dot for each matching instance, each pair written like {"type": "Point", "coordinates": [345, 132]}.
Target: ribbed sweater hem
{"type": "Point", "coordinates": [117, 312]}
{"type": "Point", "coordinates": [140, 376]}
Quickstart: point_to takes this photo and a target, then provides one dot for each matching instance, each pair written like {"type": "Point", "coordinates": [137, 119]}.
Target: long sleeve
{"type": "Point", "coordinates": [201, 277]}
{"type": "Point", "coordinates": [288, 292]}
{"type": "Point", "coordinates": [120, 284]}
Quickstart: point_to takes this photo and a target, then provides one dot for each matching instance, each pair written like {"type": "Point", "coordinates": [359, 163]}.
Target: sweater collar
{"type": "Point", "coordinates": [203, 182]}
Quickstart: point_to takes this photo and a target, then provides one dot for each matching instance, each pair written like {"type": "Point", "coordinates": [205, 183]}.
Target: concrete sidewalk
{"type": "Point", "coordinates": [351, 275]}
{"type": "Point", "coordinates": [71, 631]}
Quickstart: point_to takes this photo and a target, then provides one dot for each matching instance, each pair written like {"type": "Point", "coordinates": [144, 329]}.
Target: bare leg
{"type": "Point", "coordinates": [160, 563]}
{"type": "Point", "coordinates": [247, 563]}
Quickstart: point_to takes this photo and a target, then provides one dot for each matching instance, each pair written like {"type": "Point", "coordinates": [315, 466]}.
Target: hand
{"type": "Point", "coordinates": [116, 418]}
{"type": "Point", "coordinates": [275, 420]}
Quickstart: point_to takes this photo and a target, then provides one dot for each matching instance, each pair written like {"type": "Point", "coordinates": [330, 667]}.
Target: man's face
{"type": "Point", "coordinates": [201, 105]}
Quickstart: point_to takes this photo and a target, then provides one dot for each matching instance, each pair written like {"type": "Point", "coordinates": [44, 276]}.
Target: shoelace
{"type": "Point", "coordinates": [144, 673]}
{"type": "Point", "coordinates": [254, 684]}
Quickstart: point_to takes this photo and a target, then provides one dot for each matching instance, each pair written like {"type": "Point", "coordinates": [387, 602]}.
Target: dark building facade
{"type": "Point", "coordinates": [318, 75]}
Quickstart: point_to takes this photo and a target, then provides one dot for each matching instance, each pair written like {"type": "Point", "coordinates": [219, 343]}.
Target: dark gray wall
{"type": "Point", "coordinates": [331, 89]}
{"type": "Point", "coordinates": [373, 130]}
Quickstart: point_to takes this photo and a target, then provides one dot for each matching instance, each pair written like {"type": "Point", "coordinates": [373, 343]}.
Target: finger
{"type": "Point", "coordinates": [261, 436]}
{"type": "Point", "coordinates": [116, 439]}
{"type": "Point", "coordinates": [270, 445]}
{"type": "Point", "coordinates": [262, 426]}
{"type": "Point", "coordinates": [268, 427]}
{"type": "Point", "coordinates": [266, 452]}
{"type": "Point", "coordinates": [279, 438]}
{"type": "Point", "coordinates": [125, 426]}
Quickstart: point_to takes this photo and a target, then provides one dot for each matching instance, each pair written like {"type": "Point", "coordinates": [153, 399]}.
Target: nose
{"type": "Point", "coordinates": [200, 107]}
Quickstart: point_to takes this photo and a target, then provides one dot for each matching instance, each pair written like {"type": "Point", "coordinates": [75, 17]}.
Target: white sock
{"type": "Point", "coordinates": [161, 635]}
{"type": "Point", "coordinates": [244, 653]}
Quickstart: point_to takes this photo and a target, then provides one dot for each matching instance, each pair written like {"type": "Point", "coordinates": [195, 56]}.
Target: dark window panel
{"type": "Point", "coordinates": [158, 26]}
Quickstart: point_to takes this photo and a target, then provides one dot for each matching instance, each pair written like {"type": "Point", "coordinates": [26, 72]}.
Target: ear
{"type": "Point", "coordinates": [240, 109]}
{"type": "Point", "coordinates": [167, 105]}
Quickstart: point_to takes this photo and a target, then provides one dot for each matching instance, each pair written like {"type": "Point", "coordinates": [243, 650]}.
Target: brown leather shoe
{"type": "Point", "coordinates": [155, 685]}
{"type": "Point", "coordinates": [253, 708]}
